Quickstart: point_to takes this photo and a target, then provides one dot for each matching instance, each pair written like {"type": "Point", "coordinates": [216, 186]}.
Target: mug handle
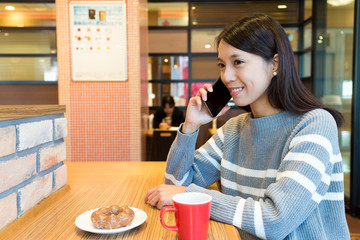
{"type": "Point", "coordinates": [162, 212]}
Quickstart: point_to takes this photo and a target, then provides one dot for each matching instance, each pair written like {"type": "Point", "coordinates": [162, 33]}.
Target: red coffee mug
{"type": "Point", "coordinates": [192, 215]}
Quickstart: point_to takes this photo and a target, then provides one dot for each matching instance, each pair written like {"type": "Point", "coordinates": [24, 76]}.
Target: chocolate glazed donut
{"type": "Point", "coordinates": [112, 217]}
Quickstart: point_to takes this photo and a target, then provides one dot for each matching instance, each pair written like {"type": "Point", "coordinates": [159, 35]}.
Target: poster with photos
{"type": "Point", "coordinates": [98, 41]}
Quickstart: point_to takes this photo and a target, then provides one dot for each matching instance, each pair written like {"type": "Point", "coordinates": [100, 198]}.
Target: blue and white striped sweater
{"type": "Point", "coordinates": [281, 176]}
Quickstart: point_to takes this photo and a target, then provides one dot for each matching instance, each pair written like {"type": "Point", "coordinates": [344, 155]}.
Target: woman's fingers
{"type": "Point", "coordinates": [162, 195]}
{"type": "Point", "coordinates": [198, 103]}
{"type": "Point", "coordinates": [202, 93]}
{"type": "Point", "coordinates": [208, 87]}
{"type": "Point", "coordinates": [204, 90]}
{"type": "Point", "coordinates": [164, 202]}
{"type": "Point", "coordinates": [150, 194]}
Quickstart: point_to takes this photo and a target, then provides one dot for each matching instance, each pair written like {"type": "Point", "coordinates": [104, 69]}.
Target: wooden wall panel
{"type": "Point", "coordinates": [28, 94]}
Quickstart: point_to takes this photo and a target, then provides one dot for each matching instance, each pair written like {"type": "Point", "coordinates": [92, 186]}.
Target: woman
{"type": "Point", "coordinates": [280, 165]}
{"type": "Point", "coordinates": [168, 111]}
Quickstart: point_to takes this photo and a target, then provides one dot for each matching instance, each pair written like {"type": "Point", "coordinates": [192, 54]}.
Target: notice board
{"type": "Point", "coordinates": [98, 41]}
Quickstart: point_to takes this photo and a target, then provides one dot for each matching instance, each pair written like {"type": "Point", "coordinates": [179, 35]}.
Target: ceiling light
{"type": "Point", "coordinates": [10, 8]}
{"type": "Point", "coordinates": [282, 6]}
{"type": "Point", "coordinates": [337, 3]}
{"type": "Point", "coordinates": [207, 45]}
{"type": "Point", "coordinates": [166, 60]}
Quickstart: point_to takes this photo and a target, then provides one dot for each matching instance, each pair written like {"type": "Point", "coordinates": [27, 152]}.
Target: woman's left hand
{"type": "Point", "coordinates": [161, 195]}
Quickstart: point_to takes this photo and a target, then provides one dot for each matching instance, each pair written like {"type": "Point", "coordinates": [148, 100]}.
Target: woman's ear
{"type": "Point", "coordinates": [275, 63]}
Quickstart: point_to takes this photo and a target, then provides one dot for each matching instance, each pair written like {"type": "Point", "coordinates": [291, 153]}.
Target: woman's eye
{"type": "Point", "coordinates": [238, 62]}
{"type": "Point", "coordinates": [221, 65]}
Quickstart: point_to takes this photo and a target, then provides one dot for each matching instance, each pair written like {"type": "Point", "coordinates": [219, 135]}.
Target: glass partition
{"type": "Point", "coordinates": [28, 69]}
{"type": "Point", "coordinates": [195, 87]}
{"type": "Point", "coordinates": [221, 13]}
{"type": "Point", "coordinates": [293, 36]}
{"type": "Point", "coordinates": [28, 42]}
{"type": "Point", "coordinates": [307, 41]}
{"type": "Point", "coordinates": [203, 40]}
{"type": "Point", "coordinates": [182, 49]}
{"type": "Point", "coordinates": [308, 9]}
{"type": "Point", "coordinates": [204, 68]}
{"type": "Point", "coordinates": [306, 63]}
{"type": "Point", "coordinates": [179, 91]}
{"type": "Point", "coordinates": [168, 14]}
{"type": "Point", "coordinates": [27, 14]}
{"type": "Point", "coordinates": [168, 67]}
{"type": "Point", "coordinates": [335, 89]}
{"type": "Point", "coordinates": [169, 41]}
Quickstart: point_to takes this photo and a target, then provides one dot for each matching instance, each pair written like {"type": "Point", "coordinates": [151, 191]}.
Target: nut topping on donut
{"type": "Point", "coordinates": [112, 217]}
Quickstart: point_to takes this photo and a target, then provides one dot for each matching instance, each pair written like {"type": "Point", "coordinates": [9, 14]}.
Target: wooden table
{"type": "Point", "coordinates": [92, 185]}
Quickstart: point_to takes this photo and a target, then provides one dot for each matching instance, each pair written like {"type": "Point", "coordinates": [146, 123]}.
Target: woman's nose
{"type": "Point", "coordinates": [227, 75]}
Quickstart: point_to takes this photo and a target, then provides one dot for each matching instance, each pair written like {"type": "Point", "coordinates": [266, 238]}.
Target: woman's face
{"type": "Point", "coordinates": [246, 75]}
{"type": "Point", "coordinates": [168, 110]}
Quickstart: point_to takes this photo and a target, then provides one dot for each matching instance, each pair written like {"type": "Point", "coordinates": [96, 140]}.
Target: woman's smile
{"type": "Point", "coordinates": [235, 91]}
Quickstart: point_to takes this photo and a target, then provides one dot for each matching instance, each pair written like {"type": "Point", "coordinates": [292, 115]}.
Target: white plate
{"type": "Point", "coordinates": [84, 222]}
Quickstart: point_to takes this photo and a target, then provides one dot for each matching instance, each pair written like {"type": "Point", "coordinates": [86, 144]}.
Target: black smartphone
{"type": "Point", "coordinates": [218, 98]}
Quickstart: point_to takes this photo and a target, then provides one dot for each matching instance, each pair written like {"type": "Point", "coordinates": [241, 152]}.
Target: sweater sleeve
{"type": "Point", "coordinates": [302, 182]}
{"type": "Point", "coordinates": [201, 168]}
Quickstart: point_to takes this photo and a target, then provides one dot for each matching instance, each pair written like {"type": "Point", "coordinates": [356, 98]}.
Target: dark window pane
{"type": "Point", "coordinates": [168, 67]}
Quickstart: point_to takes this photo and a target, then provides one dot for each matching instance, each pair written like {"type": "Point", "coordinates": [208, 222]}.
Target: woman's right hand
{"type": "Point", "coordinates": [197, 113]}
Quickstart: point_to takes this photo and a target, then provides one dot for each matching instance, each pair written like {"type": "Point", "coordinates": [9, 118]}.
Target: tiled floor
{"type": "Point", "coordinates": [354, 226]}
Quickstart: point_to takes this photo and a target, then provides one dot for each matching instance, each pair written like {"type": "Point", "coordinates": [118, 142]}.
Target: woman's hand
{"type": "Point", "coordinates": [161, 195]}
{"type": "Point", "coordinates": [197, 114]}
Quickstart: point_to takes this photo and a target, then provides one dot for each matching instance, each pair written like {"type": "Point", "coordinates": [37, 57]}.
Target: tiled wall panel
{"type": "Point", "coordinates": [104, 118]}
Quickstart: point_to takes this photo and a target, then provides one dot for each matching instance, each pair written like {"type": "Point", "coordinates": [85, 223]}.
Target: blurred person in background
{"type": "Point", "coordinates": [168, 113]}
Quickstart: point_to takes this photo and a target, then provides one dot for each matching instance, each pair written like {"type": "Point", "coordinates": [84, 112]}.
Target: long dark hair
{"type": "Point", "coordinates": [264, 36]}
